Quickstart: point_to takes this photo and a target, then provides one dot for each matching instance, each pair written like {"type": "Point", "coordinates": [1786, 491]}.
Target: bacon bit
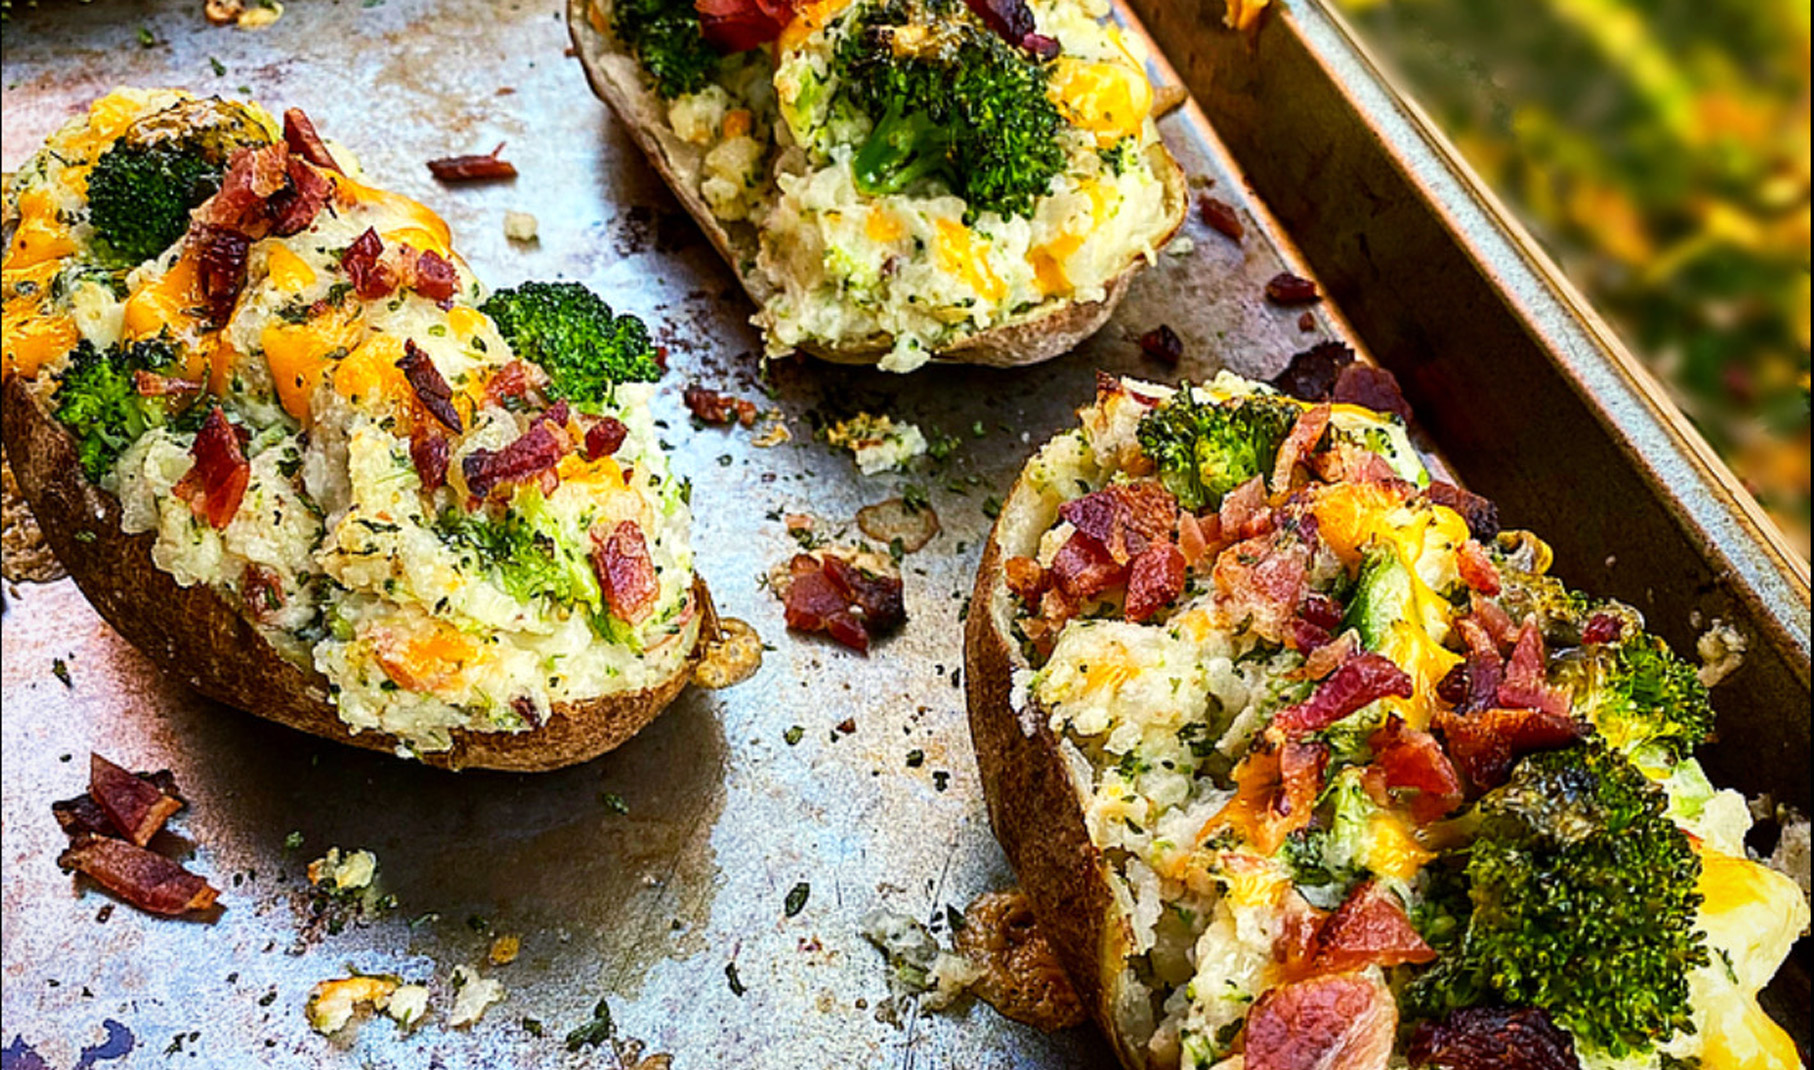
{"type": "Point", "coordinates": [1163, 345]}
{"type": "Point", "coordinates": [626, 575]}
{"type": "Point", "coordinates": [1371, 388]}
{"type": "Point", "coordinates": [221, 266]}
{"type": "Point", "coordinates": [535, 451]}
{"type": "Point", "coordinates": [603, 438]}
{"type": "Point", "coordinates": [1275, 794]}
{"type": "Point", "coordinates": [1369, 929]}
{"type": "Point", "coordinates": [1047, 48]}
{"type": "Point", "coordinates": [295, 207]}
{"type": "Point", "coordinates": [134, 805]}
{"type": "Point", "coordinates": [740, 25]}
{"type": "Point", "coordinates": [1010, 20]}
{"type": "Point", "coordinates": [1261, 581]}
{"type": "Point", "coordinates": [148, 881]}
{"type": "Point", "coordinates": [879, 597]}
{"type": "Point", "coordinates": [1602, 628]}
{"type": "Point", "coordinates": [513, 382]}
{"type": "Point", "coordinates": [1305, 637]}
{"type": "Point", "coordinates": [1481, 514]}
{"type": "Point", "coordinates": [1306, 322]}
{"type": "Point", "coordinates": [1288, 289]}
{"type": "Point", "coordinates": [1123, 519]}
{"type": "Point", "coordinates": [82, 816]}
{"type": "Point", "coordinates": [1485, 745]}
{"type": "Point", "coordinates": [261, 590]}
{"type": "Point", "coordinates": [370, 276]}
{"type": "Point", "coordinates": [1311, 375]}
{"type": "Point", "coordinates": [1244, 513]}
{"type": "Point", "coordinates": [1300, 443]}
{"type": "Point", "coordinates": [1083, 569]}
{"type": "Point", "coordinates": [1526, 684]}
{"type": "Point", "coordinates": [1363, 679]}
{"type": "Point", "coordinates": [1026, 579]}
{"type": "Point", "coordinates": [217, 479]}
{"type": "Point", "coordinates": [434, 278]}
{"type": "Point", "coordinates": [429, 452]}
{"type": "Point", "coordinates": [1221, 217]}
{"type": "Point", "coordinates": [1493, 617]}
{"type": "Point", "coordinates": [1154, 579]}
{"type": "Point", "coordinates": [1476, 568]}
{"type": "Point", "coordinates": [1406, 759]}
{"type": "Point", "coordinates": [1324, 658]}
{"type": "Point", "coordinates": [1344, 1020]}
{"type": "Point", "coordinates": [1474, 684]}
{"type": "Point", "coordinates": [299, 134]}
{"type": "Point", "coordinates": [253, 175]}
{"type": "Point", "coordinates": [152, 385]}
{"type": "Point", "coordinates": [829, 594]}
{"type": "Point", "coordinates": [711, 407]}
{"type": "Point", "coordinates": [472, 168]}
{"type": "Point", "coordinates": [1193, 541]}
{"type": "Point", "coordinates": [1322, 611]}
{"type": "Point", "coordinates": [1493, 1038]}
{"type": "Point", "coordinates": [430, 387]}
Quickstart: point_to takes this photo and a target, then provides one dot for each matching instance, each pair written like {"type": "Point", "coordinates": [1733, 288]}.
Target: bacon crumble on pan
{"type": "Point", "coordinates": [109, 827]}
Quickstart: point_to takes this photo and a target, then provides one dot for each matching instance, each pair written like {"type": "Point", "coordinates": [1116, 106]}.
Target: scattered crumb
{"type": "Point", "coordinates": [504, 949]}
{"type": "Point", "coordinates": [1721, 649]}
{"type": "Point", "coordinates": [408, 1006]}
{"type": "Point", "coordinates": [472, 995]}
{"type": "Point", "coordinates": [261, 14]}
{"type": "Point", "coordinates": [1182, 245]}
{"type": "Point", "coordinates": [332, 1003]}
{"type": "Point", "coordinates": [777, 433]}
{"type": "Point", "coordinates": [732, 659]}
{"type": "Point", "coordinates": [1791, 855]}
{"type": "Point", "coordinates": [913, 523]}
{"type": "Point", "coordinates": [520, 227]}
{"type": "Point", "coordinates": [877, 442]}
{"type": "Point", "coordinates": [347, 872]}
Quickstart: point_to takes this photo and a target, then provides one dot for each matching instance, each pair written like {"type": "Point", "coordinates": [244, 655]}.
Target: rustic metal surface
{"type": "Point", "coordinates": [646, 908]}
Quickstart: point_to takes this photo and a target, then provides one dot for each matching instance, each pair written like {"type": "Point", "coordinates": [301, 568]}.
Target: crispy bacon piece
{"type": "Point", "coordinates": [740, 25]}
{"type": "Point", "coordinates": [1325, 658]}
{"type": "Point", "coordinates": [1311, 375]}
{"type": "Point", "coordinates": [1526, 684]}
{"type": "Point", "coordinates": [1371, 387]}
{"type": "Point", "coordinates": [1083, 569]}
{"type": "Point", "coordinates": [1408, 762]}
{"type": "Point", "coordinates": [148, 881]}
{"type": "Point", "coordinates": [1494, 619]}
{"type": "Point", "coordinates": [1221, 217]}
{"type": "Point", "coordinates": [714, 408]}
{"type": "Point", "coordinates": [1123, 519]}
{"type": "Point", "coordinates": [1154, 579]}
{"type": "Point", "coordinates": [513, 382]}
{"type": "Point", "coordinates": [1262, 582]}
{"type": "Point", "coordinates": [133, 805]}
{"type": "Point", "coordinates": [485, 168]}
{"type": "Point", "coordinates": [1362, 679]}
{"type": "Point", "coordinates": [879, 597]}
{"type": "Point", "coordinates": [1481, 514]}
{"type": "Point", "coordinates": [299, 134]}
{"type": "Point", "coordinates": [1010, 20]}
{"type": "Point", "coordinates": [1193, 540]}
{"type": "Point", "coordinates": [1493, 1038]}
{"type": "Point", "coordinates": [82, 816]}
{"type": "Point", "coordinates": [1602, 628]}
{"type": "Point", "coordinates": [626, 575]}
{"type": "Point", "coordinates": [429, 452]}
{"type": "Point", "coordinates": [221, 266]}
{"type": "Point", "coordinates": [1369, 929]}
{"type": "Point", "coordinates": [829, 594]}
{"type": "Point", "coordinates": [434, 277]}
{"type": "Point", "coordinates": [535, 451]}
{"type": "Point", "coordinates": [1275, 794]}
{"type": "Point", "coordinates": [604, 436]}
{"type": "Point", "coordinates": [1341, 1021]}
{"type": "Point", "coordinates": [1486, 744]}
{"type": "Point", "coordinates": [371, 277]}
{"type": "Point", "coordinates": [1163, 345]}
{"type": "Point", "coordinates": [1288, 289]}
{"type": "Point", "coordinates": [217, 479]}
{"type": "Point", "coordinates": [1026, 579]}
{"type": "Point", "coordinates": [1244, 513]}
{"type": "Point", "coordinates": [1474, 684]}
{"type": "Point", "coordinates": [1300, 443]}
{"type": "Point", "coordinates": [253, 175]}
{"type": "Point", "coordinates": [261, 589]}
{"type": "Point", "coordinates": [430, 386]}
{"type": "Point", "coordinates": [295, 206]}
{"type": "Point", "coordinates": [1476, 568]}
{"type": "Point", "coordinates": [152, 385]}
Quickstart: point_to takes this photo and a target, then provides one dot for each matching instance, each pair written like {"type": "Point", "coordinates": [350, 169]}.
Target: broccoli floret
{"type": "Point", "coordinates": [529, 562]}
{"type": "Point", "coordinates": [572, 334]}
{"type": "Point", "coordinates": [98, 400]}
{"type": "Point", "coordinates": [1205, 450]}
{"type": "Point", "coordinates": [950, 100]}
{"type": "Point", "coordinates": [666, 38]}
{"type": "Point", "coordinates": [143, 187]}
{"type": "Point", "coordinates": [1583, 900]}
{"type": "Point", "coordinates": [1639, 695]}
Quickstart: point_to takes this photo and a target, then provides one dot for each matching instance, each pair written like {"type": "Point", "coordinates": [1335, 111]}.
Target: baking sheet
{"type": "Point", "coordinates": [647, 908]}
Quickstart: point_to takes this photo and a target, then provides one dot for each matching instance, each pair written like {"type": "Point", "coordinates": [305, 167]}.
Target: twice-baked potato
{"type": "Point", "coordinates": [1304, 763]}
{"type": "Point", "coordinates": [897, 179]}
{"type": "Point", "coordinates": [293, 451]}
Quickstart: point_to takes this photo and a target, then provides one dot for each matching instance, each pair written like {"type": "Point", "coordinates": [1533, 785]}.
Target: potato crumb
{"type": "Point", "coordinates": [408, 1006]}
{"type": "Point", "coordinates": [261, 14]}
{"type": "Point", "coordinates": [332, 1003]}
{"type": "Point", "coordinates": [1722, 649]}
{"type": "Point", "coordinates": [877, 442]}
{"type": "Point", "coordinates": [472, 995]}
{"type": "Point", "coordinates": [349, 872]}
{"type": "Point", "coordinates": [520, 227]}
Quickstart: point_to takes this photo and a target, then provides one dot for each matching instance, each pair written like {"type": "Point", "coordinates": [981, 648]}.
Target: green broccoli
{"type": "Point", "coordinates": [666, 38]}
{"type": "Point", "coordinates": [1583, 897]}
{"type": "Point", "coordinates": [528, 562]}
{"type": "Point", "coordinates": [572, 334]}
{"type": "Point", "coordinates": [949, 100]}
{"type": "Point", "coordinates": [98, 399]}
{"type": "Point", "coordinates": [1640, 695]}
{"type": "Point", "coordinates": [1206, 450]}
{"type": "Point", "coordinates": [143, 187]}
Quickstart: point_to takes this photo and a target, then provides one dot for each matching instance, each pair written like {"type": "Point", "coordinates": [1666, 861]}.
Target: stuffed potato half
{"type": "Point", "coordinates": [1303, 763]}
{"type": "Point", "coordinates": [296, 453]}
{"type": "Point", "coordinates": [898, 179]}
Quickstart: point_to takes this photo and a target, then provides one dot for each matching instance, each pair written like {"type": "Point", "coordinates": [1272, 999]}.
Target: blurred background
{"type": "Point", "coordinates": [1660, 150]}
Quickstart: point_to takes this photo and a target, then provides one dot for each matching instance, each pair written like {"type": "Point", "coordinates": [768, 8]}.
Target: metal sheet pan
{"type": "Point", "coordinates": [646, 908]}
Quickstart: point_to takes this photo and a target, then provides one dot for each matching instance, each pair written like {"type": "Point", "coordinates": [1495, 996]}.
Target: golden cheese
{"type": "Point", "coordinates": [1110, 99]}
{"type": "Point", "coordinates": [962, 253]}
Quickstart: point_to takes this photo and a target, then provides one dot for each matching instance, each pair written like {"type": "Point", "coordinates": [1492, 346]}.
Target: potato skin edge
{"type": "Point", "coordinates": [194, 635]}
{"type": "Point", "coordinates": [1034, 810]}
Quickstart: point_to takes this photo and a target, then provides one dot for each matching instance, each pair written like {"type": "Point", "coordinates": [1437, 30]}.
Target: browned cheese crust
{"type": "Point", "coordinates": [196, 636]}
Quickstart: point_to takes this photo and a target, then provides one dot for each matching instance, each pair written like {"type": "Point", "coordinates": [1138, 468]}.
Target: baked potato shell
{"type": "Point", "coordinates": [1035, 805]}
{"type": "Point", "coordinates": [1041, 333]}
{"type": "Point", "coordinates": [197, 636]}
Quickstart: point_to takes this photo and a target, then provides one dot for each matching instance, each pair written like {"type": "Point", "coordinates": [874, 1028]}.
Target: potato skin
{"type": "Point", "coordinates": [1033, 807]}
{"type": "Point", "coordinates": [195, 635]}
{"type": "Point", "coordinates": [1051, 329]}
